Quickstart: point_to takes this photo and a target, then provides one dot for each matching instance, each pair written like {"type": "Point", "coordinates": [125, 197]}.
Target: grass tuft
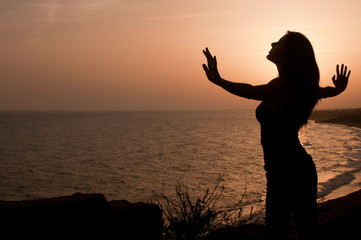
{"type": "Point", "coordinates": [191, 218]}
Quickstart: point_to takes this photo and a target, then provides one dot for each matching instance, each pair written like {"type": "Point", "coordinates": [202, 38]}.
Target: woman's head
{"type": "Point", "coordinates": [277, 53]}
{"type": "Point", "coordinates": [294, 56]}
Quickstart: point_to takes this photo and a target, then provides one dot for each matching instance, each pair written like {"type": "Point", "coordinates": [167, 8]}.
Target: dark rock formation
{"type": "Point", "coordinates": [90, 216]}
{"type": "Point", "coordinates": [139, 220]}
{"type": "Point", "coordinates": [79, 216]}
{"type": "Point", "coordinates": [341, 218]}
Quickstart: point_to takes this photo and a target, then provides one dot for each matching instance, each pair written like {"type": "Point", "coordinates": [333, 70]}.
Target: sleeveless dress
{"type": "Point", "coordinates": [291, 176]}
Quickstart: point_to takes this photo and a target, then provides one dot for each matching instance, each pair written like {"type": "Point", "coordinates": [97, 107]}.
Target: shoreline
{"type": "Point", "coordinates": [347, 117]}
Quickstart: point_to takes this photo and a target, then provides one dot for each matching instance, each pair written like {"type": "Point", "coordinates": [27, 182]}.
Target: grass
{"type": "Point", "coordinates": [187, 217]}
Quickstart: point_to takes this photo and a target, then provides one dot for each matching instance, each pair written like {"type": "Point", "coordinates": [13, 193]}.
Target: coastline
{"type": "Point", "coordinates": [349, 117]}
{"type": "Point", "coordinates": [340, 216]}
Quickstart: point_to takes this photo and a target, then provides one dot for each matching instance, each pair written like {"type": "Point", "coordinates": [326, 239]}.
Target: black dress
{"type": "Point", "coordinates": [291, 176]}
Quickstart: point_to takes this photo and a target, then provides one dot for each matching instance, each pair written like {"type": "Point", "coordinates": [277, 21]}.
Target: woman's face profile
{"type": "Point", "coordinates": [276, 54]}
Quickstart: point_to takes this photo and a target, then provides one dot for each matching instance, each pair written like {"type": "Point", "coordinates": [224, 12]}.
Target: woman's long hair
{"type": "Point", "coordinates": [301, 74]}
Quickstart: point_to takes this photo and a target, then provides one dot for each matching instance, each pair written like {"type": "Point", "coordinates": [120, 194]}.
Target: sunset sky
{"type": "Point", "coordinates": [147, 54]}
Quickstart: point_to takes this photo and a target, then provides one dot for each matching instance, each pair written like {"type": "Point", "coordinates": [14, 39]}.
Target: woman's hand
{"type": "Point", "coordinates": [340, 81]}
{"type": "Point", "coordinates": [211, 70]}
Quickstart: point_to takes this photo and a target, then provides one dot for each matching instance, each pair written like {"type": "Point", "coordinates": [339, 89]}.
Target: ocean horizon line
{"type": "Point", "coordinates": [157, 110]}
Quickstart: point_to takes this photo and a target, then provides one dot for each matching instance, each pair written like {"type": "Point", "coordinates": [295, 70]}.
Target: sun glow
{"type": "Point", "coordinates": [147, 55]}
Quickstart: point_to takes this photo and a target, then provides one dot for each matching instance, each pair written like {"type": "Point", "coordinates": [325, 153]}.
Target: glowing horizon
{"type": "Point", "coordinates": [147, 55]}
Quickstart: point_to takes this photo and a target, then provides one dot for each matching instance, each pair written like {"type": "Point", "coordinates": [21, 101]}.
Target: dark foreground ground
{"type": "Point", "coordinates": [91, 216]}
{"type": "Point", "coordinates": [338, 219]}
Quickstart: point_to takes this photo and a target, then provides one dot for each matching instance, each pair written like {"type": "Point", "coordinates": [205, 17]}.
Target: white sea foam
{"type": "Point", "coordinates": [336, 150]}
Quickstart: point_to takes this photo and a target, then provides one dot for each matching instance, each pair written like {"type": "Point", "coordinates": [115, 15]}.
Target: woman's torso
{"type": "Point", "coordinates": [280, 124]}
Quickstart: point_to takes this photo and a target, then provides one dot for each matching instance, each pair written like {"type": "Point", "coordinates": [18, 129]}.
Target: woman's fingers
{"type": "Point", "coordinates": [211, 61]}
{"type": "Point", "coordinates": [338, 70]}
{"type": "Point", "coordinates": [205, 68]}
{"type": "Point", "coordinates": [343, 71]}
{"type": "Point", "coordinates": [341, 79]}
{"type": "Point", "coordinates": [207, 53]}
{"type": "Point", "coordinates": [207, 50]}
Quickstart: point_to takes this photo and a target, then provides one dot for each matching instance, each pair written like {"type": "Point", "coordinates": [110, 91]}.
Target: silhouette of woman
{"type": "Point", "coordinates": [287, 102]}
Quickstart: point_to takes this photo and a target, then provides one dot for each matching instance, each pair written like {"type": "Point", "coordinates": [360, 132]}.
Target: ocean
{"type": "Point", "coordinates": [133, 155]}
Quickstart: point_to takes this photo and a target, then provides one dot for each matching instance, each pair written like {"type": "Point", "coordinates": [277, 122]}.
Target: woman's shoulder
{"type": "Point", "coordinates": [277, 82]}
{"type": "Point", "coordinates": [277, 86]}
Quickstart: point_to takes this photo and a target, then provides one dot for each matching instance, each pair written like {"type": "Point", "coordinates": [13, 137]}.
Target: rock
{"type": "Point", "coordinates": [341, 218]}
{"type": "Point", "coordinates": [139, 220]}
{"type": "Point", "coordinates": [79, 216]}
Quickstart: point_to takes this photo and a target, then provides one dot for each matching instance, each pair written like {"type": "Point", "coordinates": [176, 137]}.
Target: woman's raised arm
{"type": "Point", "coordinates": [340, 81]}
{"type": "Point", "coordinates": [260, 92]}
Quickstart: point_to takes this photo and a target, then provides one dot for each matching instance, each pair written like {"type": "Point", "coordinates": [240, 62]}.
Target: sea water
{"type": "Point", "coordinates": [133, 155]}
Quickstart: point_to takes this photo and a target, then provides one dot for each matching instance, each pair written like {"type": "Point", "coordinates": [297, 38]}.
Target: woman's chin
{"type": "Point", "coordinates": [269, 57]}
{"type": "Point", "coordinates": [272, 59]}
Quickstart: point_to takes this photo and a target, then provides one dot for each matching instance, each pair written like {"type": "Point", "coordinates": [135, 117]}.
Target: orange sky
{"type": "Point", "coordinates": [147, 55]}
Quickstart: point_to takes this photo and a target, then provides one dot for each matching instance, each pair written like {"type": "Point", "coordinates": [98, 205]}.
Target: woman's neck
{"type": "Point", "coordinates": [280, 67]}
